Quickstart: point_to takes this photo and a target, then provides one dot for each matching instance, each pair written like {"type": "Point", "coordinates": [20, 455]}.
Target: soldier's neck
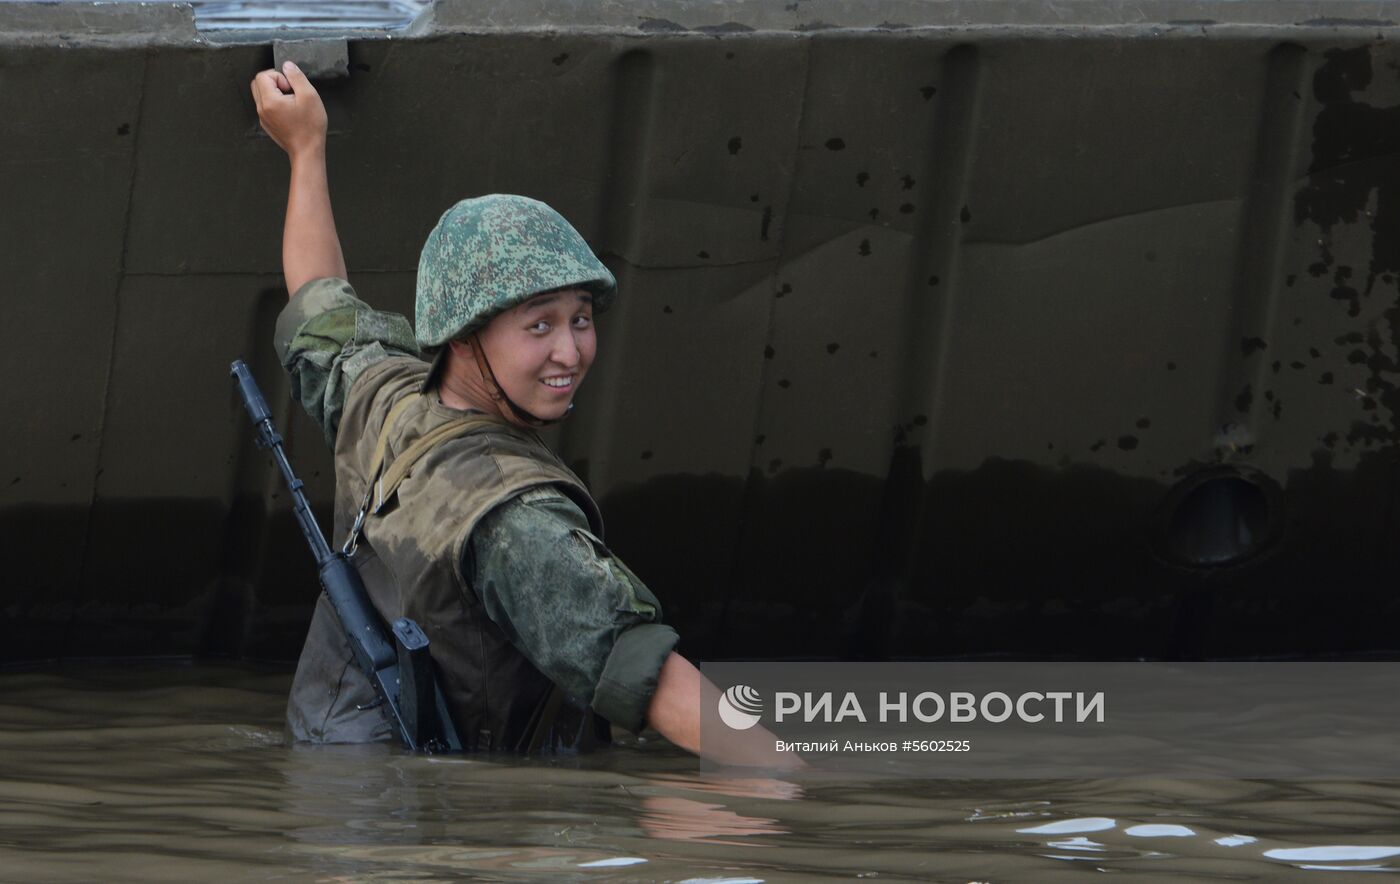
{"type": "Point", "coordinates": [462, 388]}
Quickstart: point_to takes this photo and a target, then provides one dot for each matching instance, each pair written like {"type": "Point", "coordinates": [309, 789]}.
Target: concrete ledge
{"type": "Point", "coordinates": [318, 59]}
{"type": "Point", "coordinates": [727, 16]}
{"type": "Point", "coordinates": [143, 23]}
{"type": "Point", "coordinates": [97, 23]}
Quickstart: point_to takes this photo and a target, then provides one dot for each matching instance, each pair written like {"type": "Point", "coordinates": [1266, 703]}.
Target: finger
{"type": "Point", "coordinates": [300, 84]}
{"type": "Point", "coordinates": [265, 85]}
{"type": "Point", "coordinates": [282, 85]}
{"type": "Point", "coordinates": [259, 89]}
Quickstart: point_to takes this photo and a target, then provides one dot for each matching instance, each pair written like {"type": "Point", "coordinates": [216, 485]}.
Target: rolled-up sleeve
{"type": "Point", "coordinates": [569, 605]}
{"type": "Point", "coordinates": [326, 337]}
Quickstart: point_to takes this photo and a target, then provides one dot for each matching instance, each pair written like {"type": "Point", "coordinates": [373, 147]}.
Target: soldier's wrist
{"type": "Point", "coordinates": [311, 152]}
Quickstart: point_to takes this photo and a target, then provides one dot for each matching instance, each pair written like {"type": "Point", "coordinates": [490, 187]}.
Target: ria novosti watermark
{"type": "Point", "coordinates": [1290, 720]}
{"type": "Point", "coordinates": [930, 706]}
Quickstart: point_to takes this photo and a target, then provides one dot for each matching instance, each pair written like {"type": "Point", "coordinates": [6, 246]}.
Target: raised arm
{"type": "Point", "coordinates": [292, 114]}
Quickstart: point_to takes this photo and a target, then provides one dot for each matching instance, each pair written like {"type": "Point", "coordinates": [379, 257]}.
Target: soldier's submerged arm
{"type": "Point", "coordinates": [675, 712]}
{"type": "Point", "coordinates": [291, 112]}
{"type": "Point", "coordinates": [571, 607]}
{"type": "Point", "coordinates": [588, 623]}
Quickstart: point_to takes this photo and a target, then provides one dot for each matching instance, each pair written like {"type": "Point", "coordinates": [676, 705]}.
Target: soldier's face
{"type": "Point", "coordinates": [541, 350]}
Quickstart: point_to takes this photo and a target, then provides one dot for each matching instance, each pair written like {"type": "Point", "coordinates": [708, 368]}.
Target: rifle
{"type": "Point", "coordinates": [401, 672]}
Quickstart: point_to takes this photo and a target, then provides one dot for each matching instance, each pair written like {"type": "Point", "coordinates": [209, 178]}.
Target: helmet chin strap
{"type": "Point", "coordinates": [498, 392]}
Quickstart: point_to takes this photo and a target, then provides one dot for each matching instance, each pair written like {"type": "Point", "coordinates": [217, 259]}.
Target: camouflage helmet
{"type": "Point", "coordinates": [490, 253]}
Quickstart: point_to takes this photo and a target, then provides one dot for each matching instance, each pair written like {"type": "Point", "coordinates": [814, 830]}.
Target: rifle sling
{"type": "Point", "coordinates": [382, 484]}
{"type": "Point", "coordinates": [403, 464]}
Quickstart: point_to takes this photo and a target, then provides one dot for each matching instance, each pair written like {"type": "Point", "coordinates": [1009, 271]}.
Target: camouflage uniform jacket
{"type": "Point", "coordinates": [490, 543]}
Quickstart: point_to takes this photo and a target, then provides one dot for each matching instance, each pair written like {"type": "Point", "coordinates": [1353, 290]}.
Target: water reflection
{"type": "Point", "coordinates": [1159, 830]}
{"type": "Point", "coordinates": [181, 774]}
{"type": "Point", "coordinates": [1066, 827]}
{"type": "Point", "coordinates": [683, 819]}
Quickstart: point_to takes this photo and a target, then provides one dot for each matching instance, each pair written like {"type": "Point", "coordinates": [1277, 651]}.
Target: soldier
{"type": "Point", "coordinates": [475, 528]}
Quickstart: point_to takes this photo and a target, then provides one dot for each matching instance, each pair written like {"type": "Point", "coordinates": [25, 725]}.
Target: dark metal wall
{"type": "Point", "coordinates": [951, 336]}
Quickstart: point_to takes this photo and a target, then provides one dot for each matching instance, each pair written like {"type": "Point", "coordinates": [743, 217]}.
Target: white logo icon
{"type": "Point", "coordinates": [740, 707]}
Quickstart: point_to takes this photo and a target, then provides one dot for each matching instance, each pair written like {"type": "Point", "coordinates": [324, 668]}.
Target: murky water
{"type": "Point", "coordinates": [180, 773]}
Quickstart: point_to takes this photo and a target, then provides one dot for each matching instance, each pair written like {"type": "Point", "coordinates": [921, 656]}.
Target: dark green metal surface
{"type": "Point", "coordinates": [945, 328]}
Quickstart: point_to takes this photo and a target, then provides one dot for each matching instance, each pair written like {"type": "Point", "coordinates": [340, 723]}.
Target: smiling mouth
{"type": "Point", "coordinates": [563, 383]}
